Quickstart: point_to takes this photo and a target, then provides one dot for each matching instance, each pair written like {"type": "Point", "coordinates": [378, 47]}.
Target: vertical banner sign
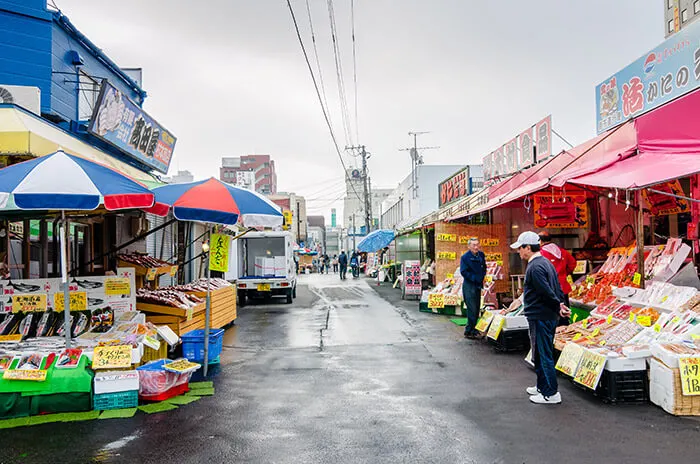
{"type": "Point", "coordinates": [499, 167]}
{"type": "Point", "coordinates": [663, 74]}
{"type": "Point", "coordinates": [288, 218]}
{"type": "Point", "coordinates": [218, 252]}
{"type": "Point", "coordinates": [526, 155]}
{"type": "Point", "coordinates": [488, 166]}
{"type": "Point", "coordinates": [453, 188]}
{"type": "Point", "coordinates": [511, 156]}
{"type": "Point", "coordinates": [543, 138]}
{"type": "Point", "coordinates": [333, 217]}
{"type": "Point", "coordinates": [412, 280]}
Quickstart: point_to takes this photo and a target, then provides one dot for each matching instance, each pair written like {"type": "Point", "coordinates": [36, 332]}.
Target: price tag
{"type": "Point", "coordinates": [151, 342]}
{"type": "Point", "coordinates": [676, 320]}
{"type": "Point", "coordinates": [11, 338]}
{"type": "Point", "coordinates": [218, 252]}
{"type": "Point", "coordinates": [496, 326]}
{"type": "Point", "coordinates": [29, 303]}
{"type": "Point", "coordinates": [436, 300]}
{"type": "Point", "coordinates": [590, 369]}
{"type": "Point", "coordinates": [151, 274]}
{"type": "Point", "coordinates": [609, 319]}
{"type": "Point", "coordinates": [644, 321]}
{"type": "Point", "coordinates": [664, 298]}
{"type": "Point", "coordinates": [574, 318]}
{"type": "Point", "coordinates": [452, 300]}
{"type": "Point", "coordinates": [451, 255]}
{"type": "Point", "coordinates": [590, 280]}
{"type": "Point", "coordinates": [190, 313]}
{"type": "Point", "coordinates": [484, 321]}
{"type": "Point", "coordinates": [596, 332]}
{"type": "Point", "coordinates": [580, 267]}
{"type": "Point", "coordinates": [450, 275]}
{"type": "Point", "coordinates": [637, 279]}
{"type": "Point", "coordinates": [112, 357]}
{"type": "Point", "coordinates": [78, 301]}
{"type": "Point", "coordinates": [569, 359]}
{"type": "Point", "coordinates": [488, 279]}
{"type": "Point", "coordinates": [489, 257]}
{"type": "Point", "coordinates": [584, 323]}
{"type": "Point", "coordinates": [657, 328]}
{"type": "Point", "coordinates": [690, 375]}
{"type": "Point", "coordinates": [28, 374]}
{"type": "Point", "coordinates": [570, 280]}
{"type": "Point", "coordinates": [632, 316]}
{"type": "Point", "coordinates": [602, 343]}
{"type": "Point", "coordinates": [117, 286]}
{"type": "Point", "coordinates": [577, 336]}
{"type": "Point", "coordinates": [446, 237]}
{"type": "Point", "coordinates": [173, 271]}
{"type": "Point", "coordinates": [489, 242]}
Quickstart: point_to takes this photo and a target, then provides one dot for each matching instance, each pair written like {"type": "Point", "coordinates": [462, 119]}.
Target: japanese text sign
{"type": "Point", "coordinates": [25, 374]}
{"type": "Point", "coordinates": [664, 205]}
{"type": "Point", "coordinates": [78, 301]}
{"type": "Point", "coordinates": [484, 321]}
{"type": "Point", "coordinates": [489, 242]}
{"type": "Point", "coordinates": [436, 300]}
{"type": "Point", "coordinates": [519, 152]}
{"type": "Point", "coordinates": [543, 138]}
{"type": "Point", "coordinates": [590, 369]}
{"type": "Point", "coordinates": [570, 357]}
{"type": "Point", "coordinates": [122, 123]}
{"type": "Point", "coordinates": [690, 375]}
{"type": "Point", "coordinates": [526, 148]}
{"type": "Point", "coordinates": [446, 237]}
{"type": "Point", "coordinates": [452, 300]}
{"type": "Point", "coordinates": [668, 71]}
{"type": "Point", "coordinates": [490, 257]}
{"type": "Point", "coordinates": [218, 252]}
{"type": "Point", "coordinates": [112, 357]}
{"type": "Point", "coordinates": [568, 211]}
{"type": "Point", "coordinates": [117, 286]}
{"type": "Point", "coordinates": [447, 255]}
{"type": "Point", "coordinates": [454, 188]}
{"type": "Point", "coordinates": [496, 326]}
{"type": "Point", "coordinates": [411, 278]}
{"type": "Point", "coordinates": [28, 303]}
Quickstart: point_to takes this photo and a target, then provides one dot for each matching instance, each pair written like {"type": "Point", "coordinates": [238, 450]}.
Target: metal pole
{"type": "Point", "coordinates": [640, 237]}
{"type": "Point", "coordinates": [207, 312]}
{"type": "Point", "coordinates": [64, 278]}
{"type": "Point", "coordinates": [353, 232]}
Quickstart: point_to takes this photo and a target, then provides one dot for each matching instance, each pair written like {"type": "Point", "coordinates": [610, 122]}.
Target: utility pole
{"type": "Point", "coordinates": [365, 187]}
{"type": "Point", "coordinates": [353, 232]}
{"type": "Point", "coordinates": [416, 160]}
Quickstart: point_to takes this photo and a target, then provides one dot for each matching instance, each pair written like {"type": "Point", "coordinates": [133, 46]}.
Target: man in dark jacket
{"type": "Point", "coordinates": [472, 266]}
{"type": "Point", "coordinates": [343, 263]}
{"type": "Point", "coordinates": [544, 304]}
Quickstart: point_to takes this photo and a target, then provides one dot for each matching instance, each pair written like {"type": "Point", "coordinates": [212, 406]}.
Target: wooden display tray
{"type": "Point", "coordinates": [143, 271]}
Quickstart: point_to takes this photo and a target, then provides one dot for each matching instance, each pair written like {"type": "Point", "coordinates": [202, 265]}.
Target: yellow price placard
{"type": "Point", "coordinates": [657, 328]}
{"type": "Point", "coordinates": [447, 255]}
{"type": "Point", "coordinates": [584, 323]}
{"type": "Point", "coordinates": [78, 301]}
{"type": "Point", "coordinates": [632, 317]}
{"type": "Point", "coordinates": [596, 332]}
{"type": "Point", "coordinates": [436, 300]}
{"type": "Point", "coordinates": [609, 319]}
{"type": "Point", "coordinates": [489, 242]}
{"type": "Point", "coordinates": [173, 271]}
{"type": "Point", "coordinates": [496, 326]}
{"type": "Point", "coordinates": [570, 358]}
{"type": "Point", "coordinates": [570, 280]}
{"type": "Point", "coordinates": [644, 321]}
{"type": "Point", "coordinates": [446, 237]}
{"type": "Point", "coordinates": [28, 303]}
{"type": "Point", "coordinates": [637, 279]}
{"type": "Point", "coordinates": [493, 256]}
{"type": "Point", "coordinates": [590, 369]}
{"type": "Point", "coordinates": [580, 267]}
{"type": "Point", "coordinates": [488, 279]}
{"type": "Point", "coordinates": [452, 300]}
{"type": "Point", "coordinates": [11, 338]}
{"type": "Point", "coordinates": [117, 286]}
{"type": "Point", "coordinates": [151, 274]}
{"type": "Point", "coordinates": [112, 357]}
{"type": "Point", "coordinates": [218, 252]}
{"type": "Point", "coordinates": [690, 375]}
{"type": "Point", "coordinates": [450, 275]}
{"type": "Point", "coordinates": [33, 375]}
{"type": "Point", "coordinates": [484, 321]}
{"type": "Point", "coordinates": [464, 240]}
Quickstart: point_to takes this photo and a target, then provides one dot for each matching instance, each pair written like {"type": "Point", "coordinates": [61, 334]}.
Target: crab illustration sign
{"type": "Point", "coordinates": [568, 211]}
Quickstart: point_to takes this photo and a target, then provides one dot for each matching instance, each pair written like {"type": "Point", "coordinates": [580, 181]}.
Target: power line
{"type": "Point", "coordinates": [345, 114]}
{"type": "Point", "coordinates": [320, 100]}
{"type": "Point", "coordinates": [354, 68]}
{"type": "Point", "coordinates": [318, 62]}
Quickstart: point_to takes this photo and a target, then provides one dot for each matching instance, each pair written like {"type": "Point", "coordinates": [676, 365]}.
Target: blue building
{"type": "Point", "coordinates": [59, 91]}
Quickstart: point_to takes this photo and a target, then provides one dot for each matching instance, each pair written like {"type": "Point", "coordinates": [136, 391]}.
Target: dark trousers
{"type": "Point", "coordinates": [542, 343]}
{"type": "Point", "coordinates": [472, 300]}
{"type": "Point", "coordinates": [343, 271]}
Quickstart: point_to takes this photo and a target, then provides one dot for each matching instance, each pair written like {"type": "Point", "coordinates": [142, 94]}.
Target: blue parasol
{"type": "Point", "coordinates": [376, 240]}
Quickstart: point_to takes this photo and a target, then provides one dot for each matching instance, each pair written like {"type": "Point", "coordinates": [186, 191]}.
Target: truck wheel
{"type": "Point", "coordinates": [289, 297]}
{"type": "Point", "coordinates": [241, 299]}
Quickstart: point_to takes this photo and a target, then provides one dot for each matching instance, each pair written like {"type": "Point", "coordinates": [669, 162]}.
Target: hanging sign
{"type": "Point", "coordinates": [112, 357]}
{"type": "Point", "coordinates": [496, 326]}
{"type": "Point", "coordinates": [78, 301]}
{"type": "Point", "coordinates": [117, 286]}
{"type": "Point", "coordinates": [34, 375]}
{"type": "Point", "coordinates": [29, 303]}
{"type": "Point", "coordinates": [559, 211]}
{"type": "Point", "coordinates": [690, 375]}
{"type": "Point", "coordinates": [664, 205]}
{"type": "Point", "coordinates": [436, 300]}
{"type": "Point", "coordinates": [446, 237]}
{"type": "Point", "coordinates": [447, 255]}
{"type": "Point", "coordinates": [590, 369]}
{"type": "Point", "coordinates": [570, 358]}
{"type": "Point", "coordinates": [218, 252]}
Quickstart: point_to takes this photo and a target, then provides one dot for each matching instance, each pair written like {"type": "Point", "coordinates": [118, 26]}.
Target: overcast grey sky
{"type": "Point", "coordinates": [227, 77]}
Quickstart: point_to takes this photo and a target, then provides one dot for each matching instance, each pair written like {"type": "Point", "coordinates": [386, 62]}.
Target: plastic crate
{"type": "Point", "coordinates": [630, 387]}
{"type": "Point", "coordinates": [166, 395]}
{"type": "Point", "coordinates": [117, 400]}
{"type": "Point", "coordinates": [193, 344]}
{"type": "Point", "coordinates": [511, 341]}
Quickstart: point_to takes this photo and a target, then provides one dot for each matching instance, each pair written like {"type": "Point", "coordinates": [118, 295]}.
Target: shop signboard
{"type": "Point", "coordinates": [525, 147]}
{"type": "Point", "coordinates": [665, 73]}
{"type": "Point", "coordinates": [412, 282]}
{"type": "Point", "coordinates": [664, 205]}
{"type": "Point", "coordinates": [510, 154]}
{"type": "Point", "coordinates": [519, 153]}
{"type": "Point", "coordinates": [120, 122]}
{"type": "Point", "coordinates": [499, 166]}
{"type": "Point", "coordinates": [454, 188]}
{"type": "Point", "coordinates": [568, 211]}
{"type": "Point", "coordinates": [487, 165]}
{"type": "Point", "coordinates": [543, 138]}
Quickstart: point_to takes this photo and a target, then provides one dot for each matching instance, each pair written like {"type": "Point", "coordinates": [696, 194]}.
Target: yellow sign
{"type": "Point", "coordinates": [569, 359]}
{"type": "Point", "coordinates": [489, 242]}
{"type": "Point", "coordinates": [436, 300]}
{"type": "Point", "coordinates": [494, 256]}
{"type": "Point", "coordinates": [288, 217]}
{"type": "Point", "coordinates": [584, 323]}
{"type": "Point", "coordinates": [590, 369]}
{"type": "Point", "coordinates": [496, 326]}
{"type": "Point", "coordinates": [450, 275]}
{"type": "Point", "coordinates": [151, 274]}
{"type": "Point", "coordinates": [446, 237]}
{"type": "Point", "coordinates": [78, 301]}
{"type": "Point", "coordinates": [484, 321]}
{"type": "Point", "coordinates": [25, 374]}
{"type": "Point", "coordinates": [596, 332]}
{"type": "Point", "coordinates": [609, 319]}
{"type": "Point", "coordinates": [580, 267]}
{"type": "Point", "coordinates": [447, 255]}
{"type": "Point", "coordinates": [690, 375]}
{"type": "Point", "coordinates": [452, 300]}
{"type": "Point", "coordinates": [112, 357]}
{"type": "Point", "coordinates": [488, 279]}
{"type": "Point", "coordinates": [28, 303]}
{"type": "Point", "coordinates": [464, 240]}
{"type": "Point", "coordinates": [632, 316]}
{"type": "Point", "coordinates": [173, 271]}
{"type": "Point", "coordinates": [218, 252]}
{"type": "Point", "coordinates": [11, 338]}
{"type": "Point", "coordinates": [637, 279]}
{"type": "Point", "coordinates": [657, 328]}
{"type": "Point", "coordinates": [644, 321]}
{"type": "Point", "coordinates": [117, 286]}
{"type": "Point", "coordinates": [577, 336]}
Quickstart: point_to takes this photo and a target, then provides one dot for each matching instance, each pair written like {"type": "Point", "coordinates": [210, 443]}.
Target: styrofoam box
{"type": "Point", "coordinates": [625, 364]}
{"type": "Point", "coordinates": [280, 264]}
{"type": "Point", "coordinates": [116, 381]}
{"type": "Point", "coordinates": [516, 322]}
{"type": "Point", "coordinates": [661, 397]}
{"type": "Point", "coordinates": [661, 375]}
{"type": "Point", "coordinates": [667, 357]}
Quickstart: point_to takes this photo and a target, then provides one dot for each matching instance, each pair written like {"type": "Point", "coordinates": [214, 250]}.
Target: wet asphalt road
{"type": "Point", "coordinates": [352, 374]}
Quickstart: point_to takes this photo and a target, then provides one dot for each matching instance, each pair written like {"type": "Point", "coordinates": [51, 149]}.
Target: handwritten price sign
{"type": "Point", "coordinates": [28, 374]}
{"type": "Point", "coordinates": [489, 242]}
{"type": "Point", "coordinates": [446, 237]}
{"type": "Point", "coordinates": [484, 321]}
{"type": "Point", "coordinates": [590, 369]}
{"type": "Point", "coordinates": [117, 286]}
{"type": "Point", "coordinates": [218, 252]}
{"type": "Point", "coordinates": [436, 300]}
{"type": "Point", "coordinates": [28, 303]}
{"type": "Point", "coordinates": [78, 301]}
{"type": "Point", "coordinates": [690, 375]}
{"type": "Point", "coordinates": [452, 300]}
{"type": "Point", "coordinates": [447, 255]}
{"type": "Point", "coordinates": [112, 357]}
{"type": "Point", "coordinates": [494, 256]}
{"type": "Point", "coordinates": [496, 326]}
{"type": "Point", "coordinates": [570, 358]}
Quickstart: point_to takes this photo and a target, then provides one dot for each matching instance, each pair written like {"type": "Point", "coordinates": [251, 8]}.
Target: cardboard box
{"type": "Point", "coordinates": [116, 381]}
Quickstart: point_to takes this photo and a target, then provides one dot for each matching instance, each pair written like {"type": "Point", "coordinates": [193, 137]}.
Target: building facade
{"type": "Point", "coordinates": [256, 172]}
{"type": "Point", "coordinates": [181, 177]}
{"type": "Point", "coordinates": [296, 205]}
{"type": "Point", "coordinates": [354, 206]}
{"type": "Point", "coordinates": [317, 233]}
{"type": "Point", "coordinates": [678, 14]}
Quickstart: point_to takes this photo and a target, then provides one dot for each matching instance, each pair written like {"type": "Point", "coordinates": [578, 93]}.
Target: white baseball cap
{"type": "Point", "coordinates": [526, 238]}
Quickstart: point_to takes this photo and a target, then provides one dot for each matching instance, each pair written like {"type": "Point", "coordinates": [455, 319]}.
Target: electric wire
{"type": "Point", "coordinates": [345, 114]}
{"type": "Point", "coordinates": [320, 99]}
{"type": "Point", "coordinates": [318, 62]}
{"type": "Point", "coordinates": [354, 68]}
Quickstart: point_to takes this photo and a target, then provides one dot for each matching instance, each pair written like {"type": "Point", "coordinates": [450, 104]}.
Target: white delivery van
{"type": "Point", "coordinates": [265, 265]}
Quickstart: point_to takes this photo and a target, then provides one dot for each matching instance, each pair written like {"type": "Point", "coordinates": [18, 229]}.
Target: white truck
{"type": "Point", "coordinates": [264, 266]}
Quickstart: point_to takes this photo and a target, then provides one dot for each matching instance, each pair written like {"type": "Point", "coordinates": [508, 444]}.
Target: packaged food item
{"type": "Point", "coordinates": [5, 362]}
{"type": "Point", "coordinates": [69, 358]}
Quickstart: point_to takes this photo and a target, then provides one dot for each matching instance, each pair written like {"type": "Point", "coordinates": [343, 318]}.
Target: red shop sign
{"type": "Point", "coordinates": [453, 188]}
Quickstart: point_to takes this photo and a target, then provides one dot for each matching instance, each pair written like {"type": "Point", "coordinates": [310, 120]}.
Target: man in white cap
{"type": "Point", "coordinates": [544, 304]}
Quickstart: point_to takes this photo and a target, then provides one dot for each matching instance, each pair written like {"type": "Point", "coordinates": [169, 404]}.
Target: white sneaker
{"type": "Point", "coordinates": [539, 399]}
{"type": "Point", "coordinates": [532, 391]}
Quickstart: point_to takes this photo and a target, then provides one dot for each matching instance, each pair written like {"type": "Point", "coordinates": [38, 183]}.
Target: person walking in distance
{"type": "Point", "coordinates": [544, 304]}
{"type": "Point", "coordinates": [335, 264]}
{"type": "Point", "coordinates": [472, 267]}
{"type": "Point", "coordinates": [343, 263]}
{"type": "Point", "coordinates": [563, 263]}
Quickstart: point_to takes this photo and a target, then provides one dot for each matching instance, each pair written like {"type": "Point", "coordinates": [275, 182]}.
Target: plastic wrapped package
{"type": "Point", "coordinates": [155, 381]}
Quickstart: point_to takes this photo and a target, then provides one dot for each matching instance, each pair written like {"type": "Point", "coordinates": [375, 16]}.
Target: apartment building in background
{"type": "Point", "coordinates": [256, 172]}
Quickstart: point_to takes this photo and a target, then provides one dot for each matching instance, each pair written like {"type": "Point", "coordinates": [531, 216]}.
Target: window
{"type": "Point", "coordinates": [696, 7]}
{"type": "Point", "coordinates": [88, 92]}
{"type": "Point", "coordinates": [684, 15]}
{"type": "Point", "coordinates": [670, 26]}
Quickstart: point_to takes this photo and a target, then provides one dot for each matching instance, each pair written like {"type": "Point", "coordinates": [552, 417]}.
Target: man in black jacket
{"type": "Point", "coordinates": [544, 304]}
{"type": "Point", "coordinates": [343, 262]}
{"type": "Point", "coordinates": [472, 266]}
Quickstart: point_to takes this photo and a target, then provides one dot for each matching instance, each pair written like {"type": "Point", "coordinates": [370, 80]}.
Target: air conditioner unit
{"type": "Point", "coordinates": [25, 96]}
